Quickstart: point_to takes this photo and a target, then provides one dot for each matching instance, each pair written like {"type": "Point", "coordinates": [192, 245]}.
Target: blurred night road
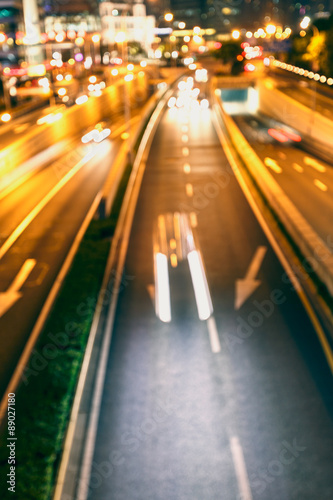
{"type": "Point", "coordinates": [47, 239]}
{"type": "Point", "coordinates": [302, 175]}
{"type": "Point", "coordinates": [235, 406]}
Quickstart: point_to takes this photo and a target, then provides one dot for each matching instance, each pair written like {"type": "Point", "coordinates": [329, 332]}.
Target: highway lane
{"type": "Point", "coordinates": [235, 406]}
{"type": "Point", "coordinates": [307, 180]}
{"type": "Point", "coordinates": [18, 127]}
{"type": "Point", "coordinates": [46, 240]}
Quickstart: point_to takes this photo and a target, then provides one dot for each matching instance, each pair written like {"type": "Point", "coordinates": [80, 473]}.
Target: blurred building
{"type": "Point", "coordinates": [128, 18]}
{"type": "Point", "coordinates": [11, 29]}
{"type": "Point", "coordinates": [71, 15]}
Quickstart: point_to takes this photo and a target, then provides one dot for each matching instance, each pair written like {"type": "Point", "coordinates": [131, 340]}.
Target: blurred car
{"type": "Point", "coordinates": [97, 134]}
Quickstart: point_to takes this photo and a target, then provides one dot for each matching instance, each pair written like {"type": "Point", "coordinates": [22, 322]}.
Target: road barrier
{"type": "Point", "coordinates": [311, 246]}
{"type": "Point", "coordinates": [311, 124]}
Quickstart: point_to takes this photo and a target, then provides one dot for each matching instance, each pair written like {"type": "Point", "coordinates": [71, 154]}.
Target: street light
{"type": "Point", "coordinates": [168, 17]}
{"type": "Point", "coordinates": [270, 29]}
{"type": "Point", "coordinates": [235, 34]}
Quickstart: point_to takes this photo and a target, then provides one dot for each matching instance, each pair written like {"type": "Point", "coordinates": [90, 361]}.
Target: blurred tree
{"type": "Point", "coordinates": [316, 52]}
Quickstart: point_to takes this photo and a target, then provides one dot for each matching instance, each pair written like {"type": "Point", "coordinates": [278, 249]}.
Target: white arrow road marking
{"type": "Point", "coordinates": [151, 293]}
{"type": "Point", "coordinates": [8, 298]}
{"type": "Point", "coordinates": [240, 468]}
{"type": "Point", "coordinates": [245, 287]}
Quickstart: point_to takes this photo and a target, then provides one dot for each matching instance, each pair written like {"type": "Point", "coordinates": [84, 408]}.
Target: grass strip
{"type": "Point", "coordinates": [45, 397]}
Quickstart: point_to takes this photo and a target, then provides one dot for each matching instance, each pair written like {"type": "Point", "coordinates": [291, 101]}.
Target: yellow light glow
{"type": "Point", "coordinates": [168, 16]}
{"type": "Point", "coordinates": [249, 34]}
{"type": "Point", "coordinates": [270, 29]}
{"type": "Point", "coordinates": [187, 39]}
{"type": "Point", "coordinates": [37, 70]}
{"type": "Point", "coordinates": [114, 72]}
{"type": "Point", "coordinates": [82, 99]}
{"type": "Point", "coordinates": [235, 34]}
{"type": "Point", "coordinates": [62, 92]}
{"type": "Point", "coordinates": [197, 30]}
{"type": "Point", "coordinates": [71, 61]}
{"type": "Point", "coordinates": [92, 79]}
{"type": "Point", "coordinates": [197, 39]}
{"type": "Point", "coordinates": [96, 38]}
{"type": "Point", "coordinates": [130, 67]}
{"type": "Point", "coordinates": [6, 117]}
{"type": "Point", "coordinates": [143, 64]}
{"type": "Point", "coordinates": [79, 41]}
{"type": "Point", "coordinates": [181, 25]}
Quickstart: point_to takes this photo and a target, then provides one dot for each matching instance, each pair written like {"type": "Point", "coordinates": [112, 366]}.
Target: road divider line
{"type": "Point", "coordinates": [193, 219]}
{"type": "Point", "coordinates": [312, 162]}
{"type": "Point", "coordinates": [240, 468]}
{"type": "Point", "coordinates": [273, 165]}
{"type": "Point", "coordinates": [213, 335]}
{"type": "Point", "coordinates": [189, 190]}
{"type": "Point", "coordinates": [320, 185]}
{"type": "Point", "coordinates": [42, 204]}
{"type": "Point", "coordinates": [298, 168]}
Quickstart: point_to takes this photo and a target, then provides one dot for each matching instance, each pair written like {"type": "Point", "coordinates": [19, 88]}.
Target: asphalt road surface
{"type": "Point", "coordinates": [43, 239]}
{"type": "Point", "coordinates": [306, 179]}
{"type": "Point", "coordinates": [236, 406]}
